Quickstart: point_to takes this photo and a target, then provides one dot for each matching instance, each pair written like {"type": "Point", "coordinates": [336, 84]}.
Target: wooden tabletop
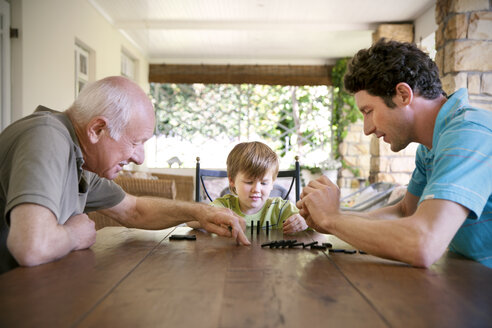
{"type": "Point", "coordinates": [137, 278]}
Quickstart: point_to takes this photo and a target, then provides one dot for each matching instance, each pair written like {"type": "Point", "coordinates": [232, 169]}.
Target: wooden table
{"type": "Point", "coordinates": [137, 278]}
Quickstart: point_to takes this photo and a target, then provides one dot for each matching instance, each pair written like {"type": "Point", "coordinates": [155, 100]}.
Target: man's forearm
{"type": "Point", "coordinates": [35, 237]}
{"type": "Point", "coordinates": [392, 239]}
{"type": "Point", "coordinates": [159, 213]}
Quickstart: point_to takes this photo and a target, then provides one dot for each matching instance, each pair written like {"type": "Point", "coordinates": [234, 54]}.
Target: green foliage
{"type": "Point", "coordinates": [344, 111]}
{"type": "Point", "coordinates": [291, 119]}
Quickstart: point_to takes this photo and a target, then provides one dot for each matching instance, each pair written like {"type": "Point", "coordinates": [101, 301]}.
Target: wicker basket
{"type": "Point", "coordinates": [138, 187]}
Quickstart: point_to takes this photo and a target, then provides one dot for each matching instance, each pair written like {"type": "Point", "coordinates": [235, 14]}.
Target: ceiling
{"type": "Point", "coordinates": [272, 32]}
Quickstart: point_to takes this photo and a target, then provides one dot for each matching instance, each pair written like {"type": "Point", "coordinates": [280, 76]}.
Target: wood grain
{"type": "Point", "coordinates": [214, 283]}
{"type": "Point", "coordinates": [60, 293]}
{"type": "Point", "coordinates": [136, 278]}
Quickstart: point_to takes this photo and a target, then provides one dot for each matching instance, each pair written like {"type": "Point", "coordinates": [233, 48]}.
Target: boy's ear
{"type": "Point", "coordinates": [96, 128]}
{"type": "Point", "coordinates": [231, 182]}
{"type": "Point", "coordinates": [404, 94]}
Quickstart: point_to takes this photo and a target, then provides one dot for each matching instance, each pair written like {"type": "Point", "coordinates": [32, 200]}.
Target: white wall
{"type": "Point", "coordinates": [425, 24]}
{"type": "Point", "coordinates": [43, 69]}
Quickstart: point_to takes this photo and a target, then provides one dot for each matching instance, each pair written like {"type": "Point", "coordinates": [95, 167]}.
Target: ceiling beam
{"type": "Point", "coordinates": [240, 25]}
{"type": "Point", "coordinates": [238, 74]}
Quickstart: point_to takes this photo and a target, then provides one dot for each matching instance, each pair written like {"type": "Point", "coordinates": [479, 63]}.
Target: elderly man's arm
{"type": "Point", "coordinates": [35, 237]}
{"type": "Point", "coordinates": [161, 213]}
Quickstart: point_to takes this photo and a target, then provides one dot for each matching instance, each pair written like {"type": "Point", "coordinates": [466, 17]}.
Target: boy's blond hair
{"type": "Point", "coordinates": [254, 159]}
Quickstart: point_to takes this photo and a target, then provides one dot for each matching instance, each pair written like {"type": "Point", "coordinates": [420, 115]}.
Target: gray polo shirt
{"type": "Point", "coordinates": [41, 163]}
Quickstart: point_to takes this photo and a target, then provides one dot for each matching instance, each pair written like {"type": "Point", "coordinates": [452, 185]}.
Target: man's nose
{"type": "Point", "coordinates": [138, 155]}
{"type": "Point", "coordinates": [368, 127]}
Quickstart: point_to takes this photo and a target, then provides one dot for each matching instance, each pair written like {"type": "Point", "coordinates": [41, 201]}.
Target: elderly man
{"type": "Point", "coordinates": [448, 202]}
{"type": "Point", "coordinates": [56, 166]}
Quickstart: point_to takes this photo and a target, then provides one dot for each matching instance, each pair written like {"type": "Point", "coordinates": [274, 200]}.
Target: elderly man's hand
{"type": "Point", "coordinates": [223, 222]}
{"type": "Point", "coordinates": [81, 230]}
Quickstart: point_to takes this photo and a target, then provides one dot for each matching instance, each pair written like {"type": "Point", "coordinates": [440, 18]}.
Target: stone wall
{"type": "Point", "coordinates": [464, 48]}
{"type": "Point", "coordinates": [355, 149]}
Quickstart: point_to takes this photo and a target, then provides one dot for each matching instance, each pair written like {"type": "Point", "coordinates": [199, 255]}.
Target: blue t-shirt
{"type": "Point", "coordinates": [459, 168]}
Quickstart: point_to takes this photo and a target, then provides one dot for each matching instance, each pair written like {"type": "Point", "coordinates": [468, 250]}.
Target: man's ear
{"type": "Point", "coordinates": [404, 94]}
{"type": "Point", "coordinates": [96, 128]}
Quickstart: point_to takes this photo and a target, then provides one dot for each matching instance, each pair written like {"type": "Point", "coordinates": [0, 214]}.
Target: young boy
{"type": "Point", "coordinates": [252, 168]}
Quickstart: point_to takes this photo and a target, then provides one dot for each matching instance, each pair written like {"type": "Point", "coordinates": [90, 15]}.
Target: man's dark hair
{"type": "Point", "coordinates": [380, 68]}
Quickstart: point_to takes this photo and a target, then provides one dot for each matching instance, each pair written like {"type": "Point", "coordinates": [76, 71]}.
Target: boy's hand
{"type": "Point", "coordinates": [294, 224]}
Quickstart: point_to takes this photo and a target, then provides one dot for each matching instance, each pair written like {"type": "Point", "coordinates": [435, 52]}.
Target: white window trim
{"type": "Point", "coordinates": [81, 76]}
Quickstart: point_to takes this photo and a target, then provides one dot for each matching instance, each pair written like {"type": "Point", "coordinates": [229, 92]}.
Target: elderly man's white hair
{"type": "Point", "coordinates": [110, 97]}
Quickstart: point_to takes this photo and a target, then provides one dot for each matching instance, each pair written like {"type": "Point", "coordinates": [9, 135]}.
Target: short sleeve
{"type": "Point", "coordinates": [462, 167]}
{"type": "Point", "coordinates": [40, 158]}
{"type": "Point", "coordinates": [419, 176]}
{"type": "Point", "coordinates": [102, 193]}
{"type": "Point", "coordinates": [220, 202]}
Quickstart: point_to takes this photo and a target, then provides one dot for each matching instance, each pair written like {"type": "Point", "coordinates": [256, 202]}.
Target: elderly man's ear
{"type": "Point", "coordinates": [96, 128]}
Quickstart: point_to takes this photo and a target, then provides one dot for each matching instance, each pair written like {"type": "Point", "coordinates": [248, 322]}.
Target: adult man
{"type": "Point", "coordinates": [448, 202]}
{"type": "Point", "coordinates": [53, 165]}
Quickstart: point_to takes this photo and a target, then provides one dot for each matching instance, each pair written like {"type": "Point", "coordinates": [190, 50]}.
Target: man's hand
{"type": "Point", "coordinates": [320, 200]}
{"type": "Point", "coordinates": [294, 223]}
{"type": "Point", "coordinates": [223, 222]}
{"type": "Point", "coordinates": [81, 231]}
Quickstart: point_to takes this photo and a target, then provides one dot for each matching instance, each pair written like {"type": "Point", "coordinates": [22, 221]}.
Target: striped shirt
{"type": "Point", "coordinates": [459, 168]}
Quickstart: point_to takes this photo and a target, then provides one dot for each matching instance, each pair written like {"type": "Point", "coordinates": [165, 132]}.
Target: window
{"type": "Point", "coordinates": [128, 65]}
{"type": "Point", "coordinates": [207, 120]}
{"type": "Point", "coordinates": [81, 68]}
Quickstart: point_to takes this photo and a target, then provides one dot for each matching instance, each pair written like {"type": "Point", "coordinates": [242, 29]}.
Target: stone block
{"type": "Point", "coordinates": [351, 160]}
{"type": "Point", "coordinates": [463, 6]}
{"type": "Point", "coordinates": [346, 173]}
{"type": "Point", "coordinates": [357, 127]}
{"type": "Point", "coordinates": [365, 162]}
{"type": "Point", "coordinates": [359, 149]}
{"type": "Point", "coordinates": [410, 150]}
{"type": "Point", "coordinates": [397, 32]}
{"type": "Point", "coordinates": [452, 82]}
{"type": "Point", "coordinates": [402, 164]}
{"type": "Point", "coordinates": [439, 60]}
{"type": "Point", "coordinates": [385, 177]}
{"type": "Point", "coordinates": [456, 27]}
{"type": "Point", "coordinates": [467, 56]}
{"type": "Point", "coordinates": [384, 164]}
{"type": "Point", "coordinates": [343, 148]}
{"type": "Point", "coordinates": [439, 36]}
{"type": "Point", "coordinates": [486, 86]}
{"type": "Point", "coordinates": [442, 9]}
{"type": "Point", "coordinates": [352, 137]}
{"type": "Point", "coordinates": [374, 146]}
{"type": "Point", "coordinates": [474, 83]}
{"type": "Point", "coordinates": [385, 149]}
{"type": "Point", "coordinates": [480, 27]}
{"type": "Point", "coordinates": [401, 178]}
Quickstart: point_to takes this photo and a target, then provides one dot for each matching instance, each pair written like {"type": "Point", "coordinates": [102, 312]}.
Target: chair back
{"type": "Point", "coordinates": [295, 174]}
